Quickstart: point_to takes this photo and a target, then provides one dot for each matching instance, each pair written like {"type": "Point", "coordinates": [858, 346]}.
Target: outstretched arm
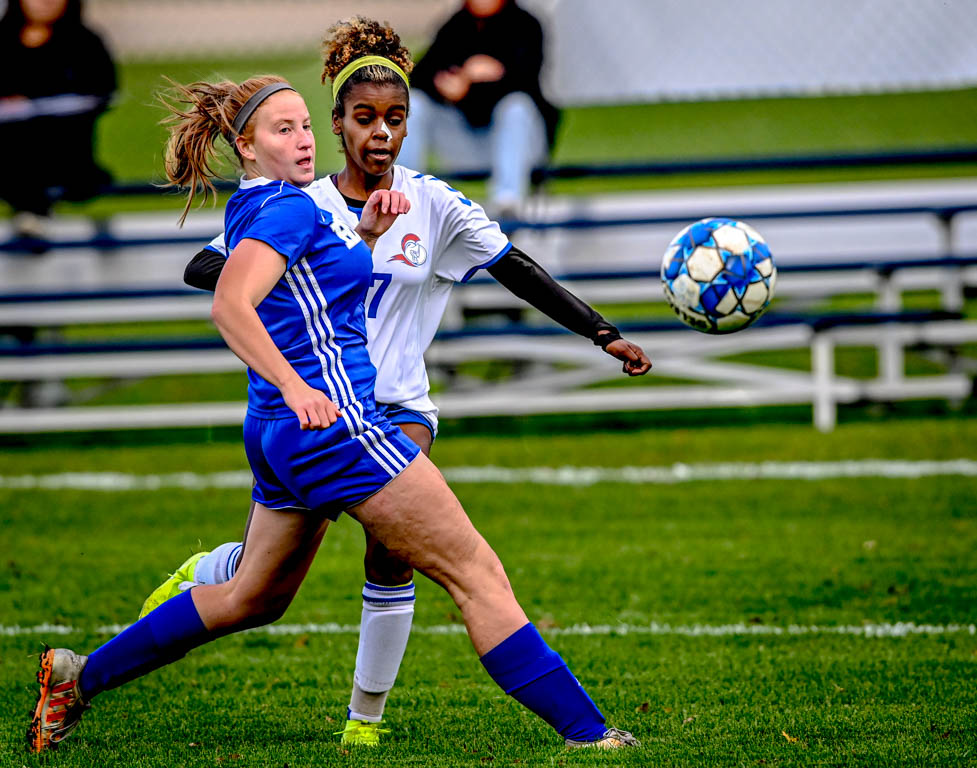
{"type": "Point", "coordinates": [534, 285]}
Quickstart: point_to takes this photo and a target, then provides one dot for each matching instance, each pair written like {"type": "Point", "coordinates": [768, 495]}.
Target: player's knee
{"type": "Point", "coordinates": [257, 609]}
{"type": "Point", "coordinates": [266, 612]}
{"type": "Point", "coordinates": [272, 612]}
{"type": "Point", "coordinates": [496, 575]}
{"type": "Point", "coordinates": [482, 577]}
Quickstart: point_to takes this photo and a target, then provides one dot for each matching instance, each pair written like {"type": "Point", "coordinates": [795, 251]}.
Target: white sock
{"type": "Point", "coordinates": [218, 566]}
{"type": "Point", "coordinates": [384, 629]}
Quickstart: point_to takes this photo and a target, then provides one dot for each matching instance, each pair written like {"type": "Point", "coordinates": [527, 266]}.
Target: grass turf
{"type": "Point", "coordinates": [769, 553]}
{"type": "Point", "coordinates": [763, 553]}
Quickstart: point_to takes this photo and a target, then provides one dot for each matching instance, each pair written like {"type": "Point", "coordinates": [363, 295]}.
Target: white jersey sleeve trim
{"type": "Point", "coordinates": [217, 245]}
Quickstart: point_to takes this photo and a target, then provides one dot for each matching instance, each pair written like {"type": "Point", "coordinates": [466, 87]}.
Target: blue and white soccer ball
{"type": "Point", "coordinates": [718, 275]}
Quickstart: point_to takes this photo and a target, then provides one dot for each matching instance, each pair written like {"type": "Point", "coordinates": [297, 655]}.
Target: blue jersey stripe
{"type": "Point", "coordinates": [374, 446]}
{"type": "Point", "coordinates": [315, 294]}
{"type": "Point", "coordinates": [325, 361]}
{"type": "Point", "coordinates": [325, 334]}
{"type": "Point", "coordinates": [379, 442]}
{"type": "Point", "coordinates": [321, 330]}
{"type": "Point", "coordinates": [355, 431]}
{"type": "Point", "coordinates": [379, 439]}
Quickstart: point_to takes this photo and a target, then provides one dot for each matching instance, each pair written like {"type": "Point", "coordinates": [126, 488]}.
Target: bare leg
{"type": "Point", "coordinates": [282, 545]}
{"type": "Point", "coordinates": [419, 435]}
{"type": "Point", "coordinates": [420, 521]}
{"type": "Point", "coordinates": [380, 566]}
{"type": "Point", "coordinates": [244, 540]}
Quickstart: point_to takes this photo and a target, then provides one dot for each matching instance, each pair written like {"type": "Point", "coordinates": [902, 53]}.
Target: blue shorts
{"type": "Point", "coordinates": [327, 470]}
{"type": "Point", "coordinates": [397, 414]}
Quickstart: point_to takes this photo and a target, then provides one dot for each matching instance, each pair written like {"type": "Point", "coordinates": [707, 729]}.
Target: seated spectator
{"type": "Point", "coordinates": [57, 79]}
{"type": "Point", "coordinates": [476, 101]}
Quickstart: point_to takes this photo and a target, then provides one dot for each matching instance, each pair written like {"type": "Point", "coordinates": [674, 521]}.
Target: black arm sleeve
{"type": "Point", "coordinates": [534, 285]}
{"type": "Point", "coordinates": [204, 269]}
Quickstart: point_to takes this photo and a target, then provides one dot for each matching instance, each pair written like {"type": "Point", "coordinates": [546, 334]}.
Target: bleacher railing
{"type": "Point", "coordinates": [554, 387]}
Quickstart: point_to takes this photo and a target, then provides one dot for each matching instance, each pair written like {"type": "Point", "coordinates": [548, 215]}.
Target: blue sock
{"type": "Point", "coordinates": [526, 668]}
{"type": "Point", "coordinates": [165, 635]}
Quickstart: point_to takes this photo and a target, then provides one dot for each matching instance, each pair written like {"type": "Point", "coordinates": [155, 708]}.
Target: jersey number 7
{"type": "Point", "coordinates": [384, 278]}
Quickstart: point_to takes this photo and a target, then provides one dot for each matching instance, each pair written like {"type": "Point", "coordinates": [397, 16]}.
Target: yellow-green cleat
{"type": "Point", "coordinates": [362, 733]}
{"type": "Point", "coordinates": [180, 581]}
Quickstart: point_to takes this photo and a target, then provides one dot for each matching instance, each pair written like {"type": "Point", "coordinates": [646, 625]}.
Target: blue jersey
{"type": "Point", "coordinates": [315, 313]}
{"type": "Point", "coordinates": [444, 239]}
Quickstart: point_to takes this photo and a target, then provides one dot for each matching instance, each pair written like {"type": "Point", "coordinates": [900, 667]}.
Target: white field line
{"type": "Point", "coordinates": [883, 630]}
{"type": "Point", "coordinates": [567, 475]}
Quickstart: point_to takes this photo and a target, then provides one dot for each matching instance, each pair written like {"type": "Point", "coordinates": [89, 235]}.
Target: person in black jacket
{"type": "Point", "coordinates": [476, 100]}
{"type": "Point", "coordinates": [58, 78]}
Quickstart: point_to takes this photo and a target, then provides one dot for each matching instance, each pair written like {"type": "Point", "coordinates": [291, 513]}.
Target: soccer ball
{"type": "Point", "coordinates": [718, 275]}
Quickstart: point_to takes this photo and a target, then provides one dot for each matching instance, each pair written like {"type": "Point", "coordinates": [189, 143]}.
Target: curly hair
{"type": "Point", "coordinates": [354, 38]}
{"type": "Point", "coordinates": [200, 113]}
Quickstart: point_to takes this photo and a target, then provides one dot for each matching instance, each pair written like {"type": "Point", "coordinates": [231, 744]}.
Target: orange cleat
{"type": "Point", "coordinates": [59, 703]}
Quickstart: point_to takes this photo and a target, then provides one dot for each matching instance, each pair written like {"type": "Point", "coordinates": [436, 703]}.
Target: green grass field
{"type": "Point", "coordinates": [758, 554]}
{"type": "Point", "coordinates": [693, 587]}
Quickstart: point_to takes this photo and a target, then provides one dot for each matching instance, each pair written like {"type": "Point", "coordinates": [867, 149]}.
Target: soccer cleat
{"type": "Point", "coordinates": [362, 732]}
{"type": "Point", "coordinates": [613, 738]}
{"type": "Point", "coordinates": [59, 703]}
{"type": "Point", "coordinates": [179, 581]}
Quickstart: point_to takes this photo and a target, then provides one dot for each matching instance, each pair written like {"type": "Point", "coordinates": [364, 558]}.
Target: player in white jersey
{"type": "Point", "coordinates": [444, 239]}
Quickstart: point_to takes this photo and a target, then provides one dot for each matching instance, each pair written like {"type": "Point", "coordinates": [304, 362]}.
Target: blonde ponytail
{"type": "Point", "coordinates": [200, 113]}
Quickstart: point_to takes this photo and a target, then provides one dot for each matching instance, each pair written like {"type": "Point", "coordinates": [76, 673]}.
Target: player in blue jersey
{"type": "Point", "coordinates": [289, 303]}
{"type": "Point", "coordinates": [443, 239]}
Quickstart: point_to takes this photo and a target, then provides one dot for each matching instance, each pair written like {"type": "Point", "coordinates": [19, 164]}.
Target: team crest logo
{"type": "Point", "coordinates": [414, 254]}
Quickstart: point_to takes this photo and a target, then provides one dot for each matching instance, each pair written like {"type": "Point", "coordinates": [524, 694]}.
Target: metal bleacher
{"type": "Point", "coordinates": [555, 372]}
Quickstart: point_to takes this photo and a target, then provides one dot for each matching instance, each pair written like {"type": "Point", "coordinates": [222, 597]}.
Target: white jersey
{"type": "Point", "coordinates": [443, 240]}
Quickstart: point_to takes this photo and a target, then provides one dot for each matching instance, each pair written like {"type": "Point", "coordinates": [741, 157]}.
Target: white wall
{"type": "Point", "coordinates": [605, 51]}
{"type": "Point", "coordinates": [147, 29]}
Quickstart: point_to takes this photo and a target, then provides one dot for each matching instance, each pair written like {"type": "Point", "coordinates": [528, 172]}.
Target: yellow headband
{"type": "Point", "coordinates": [364, 61]}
